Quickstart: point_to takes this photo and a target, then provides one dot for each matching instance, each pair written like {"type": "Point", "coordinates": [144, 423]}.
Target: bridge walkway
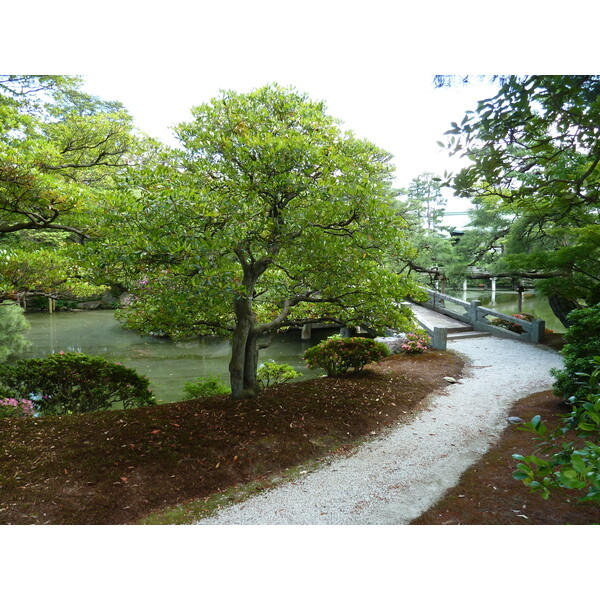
{"type": "Point", "coordinates": [431, 319]}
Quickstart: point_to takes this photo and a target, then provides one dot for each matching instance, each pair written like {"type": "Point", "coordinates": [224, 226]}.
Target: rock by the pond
{"type": "Point", "coordinates": [92, 305]}
{"type": "Point", "coordinates": [450, 380]}
{"type": "Point", "coordinates": [393, 343]}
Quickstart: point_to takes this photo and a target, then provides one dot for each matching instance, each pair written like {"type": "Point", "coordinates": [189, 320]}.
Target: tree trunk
{"type": "Point", "coordinates": [245, 344]}
{"type": "Point", "coordinates": [251, 364]}
{"type": "Point", "coordinates": [561, 307]}
{"type": "Point", "coordinates": [237, 364]}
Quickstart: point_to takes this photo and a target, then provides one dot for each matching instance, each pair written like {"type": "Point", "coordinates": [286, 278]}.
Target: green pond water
{"type": "Point", "coordinates": [167, 364]}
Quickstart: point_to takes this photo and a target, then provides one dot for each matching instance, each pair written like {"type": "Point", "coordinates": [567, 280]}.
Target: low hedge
{"type": "Point", "coordinates": [337, 354]}
{"type": "Point", "coordinates": [66, 383]}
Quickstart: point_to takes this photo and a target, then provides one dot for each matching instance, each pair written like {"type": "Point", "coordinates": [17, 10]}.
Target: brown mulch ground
{"type": "Point", "coordinates": [488, 495]}
{"type": "Point", "coordinates": [119, 466]}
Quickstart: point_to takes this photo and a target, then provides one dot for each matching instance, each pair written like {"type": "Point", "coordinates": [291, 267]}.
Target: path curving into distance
{"type": "Point", "coordinates": [396, 477]}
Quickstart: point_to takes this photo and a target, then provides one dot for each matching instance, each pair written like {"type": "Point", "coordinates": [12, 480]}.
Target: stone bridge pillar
{"type": "Point", "coordinates": [472, 311]}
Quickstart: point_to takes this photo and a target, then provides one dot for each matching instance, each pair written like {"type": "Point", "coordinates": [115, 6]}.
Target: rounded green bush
{"type": "Point", "coordinates": [273, 373]}
{"type": "Point", "coordinates": [15, 407]}
{"type": "Point", "coordinates": [66, 383]}
{"type": "Point", "coordinates": [583, 344]}
{"type": "Point", "coordinates": [205, 387]}
{"type": "Point", "coordinates": [337, 354]}
{"type": "Point", "coordinates": [416, 342]}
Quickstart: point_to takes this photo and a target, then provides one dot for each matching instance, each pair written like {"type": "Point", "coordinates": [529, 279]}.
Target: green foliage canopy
{"type": "Point", "coordinates": [59, 152]}
{"type": "Point", "coordinates": [535, 147]}
{"type": "Point", "coordinates": [13, 325]}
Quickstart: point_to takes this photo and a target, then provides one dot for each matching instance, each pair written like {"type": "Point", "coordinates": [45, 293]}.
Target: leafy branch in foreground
{"type": "Point", "coordinates": [571, 465]}
{"type": "Point", "coordinates": [535, 163]}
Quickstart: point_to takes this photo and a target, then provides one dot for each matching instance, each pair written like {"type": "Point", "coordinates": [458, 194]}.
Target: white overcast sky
{"type": "Point", "coordinates": [403, 114]}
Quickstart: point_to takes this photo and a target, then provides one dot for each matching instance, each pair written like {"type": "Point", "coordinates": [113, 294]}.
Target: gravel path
{"type": "Point", "coordinates": [398, 476]}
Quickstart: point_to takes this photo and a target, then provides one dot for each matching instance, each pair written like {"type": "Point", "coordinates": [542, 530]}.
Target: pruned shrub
{"type": "Point", "coordinates": [65, 383]}
{"type": "Point", "coordinates": [337, 354]}
{"type": "Point", "coordinates": [272, 373]}
{"type": "Point", "coordinates": [16, 407]}
{"type": "Point", "coordinates": [204, 387]}
{"type": "Point", "coordinates": [416, 343]}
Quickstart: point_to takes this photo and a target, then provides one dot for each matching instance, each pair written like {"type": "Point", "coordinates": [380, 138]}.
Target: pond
{"type": "Point", "coordinates": [167, 364]}
{"type": "Point", "coordinates": [506, 301]}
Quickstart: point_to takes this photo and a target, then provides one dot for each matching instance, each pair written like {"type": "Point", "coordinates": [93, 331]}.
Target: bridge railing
{"type": "Point", "coordinates": [477, 316]}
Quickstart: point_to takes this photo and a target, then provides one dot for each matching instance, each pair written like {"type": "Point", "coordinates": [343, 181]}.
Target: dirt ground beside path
{"type": "Point", "coordinates": [488, 495]}
{"type": "Point", "coordinates": [397, 476]}
{"type": "Point", "coordinates": [167, 464]}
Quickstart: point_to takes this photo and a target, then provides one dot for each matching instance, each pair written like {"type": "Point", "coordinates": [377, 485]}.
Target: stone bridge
{"type": "Point", "coordinates": [445, 317]}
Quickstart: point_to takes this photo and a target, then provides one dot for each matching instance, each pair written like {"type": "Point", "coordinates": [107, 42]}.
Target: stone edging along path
{"type": "Point", "coordinates": [396, 477]}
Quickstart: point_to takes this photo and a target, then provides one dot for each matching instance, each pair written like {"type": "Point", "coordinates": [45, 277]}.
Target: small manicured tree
{"type": "Point", "coordinates": [272, 373]}
{"type": "Point", "coordinates": [269, 216]}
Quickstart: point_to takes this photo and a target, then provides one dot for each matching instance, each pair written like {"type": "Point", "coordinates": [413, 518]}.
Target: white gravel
{"type": "Point", "coordinates": [398, 476]}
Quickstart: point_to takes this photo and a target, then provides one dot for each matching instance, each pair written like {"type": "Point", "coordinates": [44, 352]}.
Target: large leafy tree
{"type": "Point", "coordinates": [270, 216]}
{"type": "Point", "coordinates": [59, 151]}
{"type": "Point", "coordinates": [535, 146]}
